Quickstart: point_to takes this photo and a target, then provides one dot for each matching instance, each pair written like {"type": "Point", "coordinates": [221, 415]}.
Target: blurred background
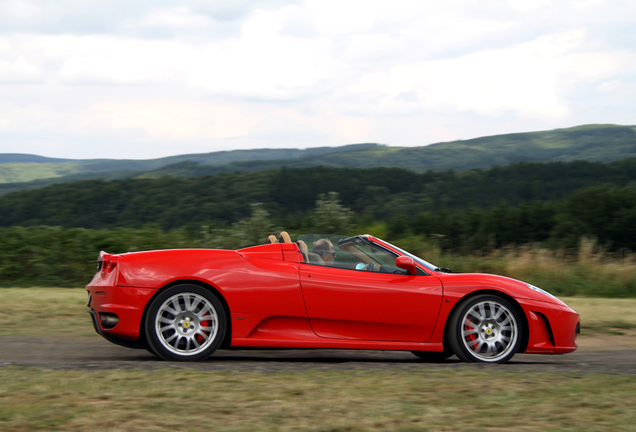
{"type": "Point", "coordinates": [495, 136]}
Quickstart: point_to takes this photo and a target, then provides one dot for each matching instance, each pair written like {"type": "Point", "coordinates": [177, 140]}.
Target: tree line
{"type": "Point", "coordinates": [57, 256]}
{"type": "Point", "coordinates": [605, 213]}
{"type": "Point", "coordinates": [553, 204]}
{"type": "Point", "coordinates": [289, 194]}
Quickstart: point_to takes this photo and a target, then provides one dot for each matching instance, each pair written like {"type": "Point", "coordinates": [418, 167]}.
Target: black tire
{"type": "Point", "coordinates": [185, 323]}
{"type": "Point", "coordinates": [433, 357]}
{"type": "Point", "coordinates": [485, 328]}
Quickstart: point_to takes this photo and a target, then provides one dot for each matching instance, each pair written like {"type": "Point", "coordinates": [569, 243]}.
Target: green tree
{"type": "Point", "coordinates": [246, 232]}
{"type": "Point", "coordinates": [330, 217]}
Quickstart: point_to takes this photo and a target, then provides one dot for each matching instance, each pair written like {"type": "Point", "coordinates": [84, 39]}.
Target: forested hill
{"type": "Point", "coordinates": [288, 194]}
{"type": "Point", "coordinates": [597, 143]}
{"type": "Point", "coordinates": [22, 168]}
{"type": "Point", "coordinates": [28, 158]}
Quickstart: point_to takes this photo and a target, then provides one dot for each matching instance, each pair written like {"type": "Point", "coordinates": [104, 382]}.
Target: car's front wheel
{"type": "Point", "coordinates": [485, 328]}
{"type": "Point", "coordinates": [185, 323]}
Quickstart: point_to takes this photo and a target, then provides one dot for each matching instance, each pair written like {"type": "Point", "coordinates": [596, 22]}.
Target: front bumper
{"type": "Point", "coordinates": [553, 328]}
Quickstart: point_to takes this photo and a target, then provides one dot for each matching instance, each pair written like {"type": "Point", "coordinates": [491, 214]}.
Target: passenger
{"type": "Point", "coordinates": [324, 249]}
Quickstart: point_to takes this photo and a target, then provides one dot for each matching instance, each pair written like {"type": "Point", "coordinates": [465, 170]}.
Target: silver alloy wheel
{"type": "Point", "coordinates": [186, 324]}
{"type": "Point", "coordinates": [489, 331]}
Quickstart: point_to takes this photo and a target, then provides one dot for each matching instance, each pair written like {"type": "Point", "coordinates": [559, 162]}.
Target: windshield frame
{"type": "Point", "coordinates": [415, 258]}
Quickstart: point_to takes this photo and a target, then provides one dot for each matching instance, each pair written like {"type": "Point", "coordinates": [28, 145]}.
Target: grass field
{"type": "Point", "coordinates": [62, 312]}
{"type": "Point", "coordinates": [170, 399]}
{"type": "Point", "coordinates": [184, 400]}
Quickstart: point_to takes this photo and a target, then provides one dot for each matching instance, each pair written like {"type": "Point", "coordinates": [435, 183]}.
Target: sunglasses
{"type": "Point", "coordinates": [333, 254]}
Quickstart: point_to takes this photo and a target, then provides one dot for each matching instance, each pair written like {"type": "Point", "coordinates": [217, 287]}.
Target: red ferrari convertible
{"type": "Point", "coordinates": [320, 292]}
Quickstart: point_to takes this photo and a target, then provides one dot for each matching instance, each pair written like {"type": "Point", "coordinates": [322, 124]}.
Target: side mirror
{"type": "Point", "coordinates": [406, 263]}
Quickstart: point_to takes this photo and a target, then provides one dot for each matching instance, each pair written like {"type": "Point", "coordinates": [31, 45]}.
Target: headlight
{"type": "Point", "coordinates": [537, 289]}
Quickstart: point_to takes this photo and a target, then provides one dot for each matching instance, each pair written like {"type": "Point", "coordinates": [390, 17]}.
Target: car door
{"type": "Point", "coordinates": [365, 305]}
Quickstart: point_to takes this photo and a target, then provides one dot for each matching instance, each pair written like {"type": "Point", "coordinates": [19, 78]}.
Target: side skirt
{"type": "Point", "coordinates": [338, 344]}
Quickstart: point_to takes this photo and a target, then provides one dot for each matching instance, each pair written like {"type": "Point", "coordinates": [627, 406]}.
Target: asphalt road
{"type": "Point", "coordinates": [95, 353]}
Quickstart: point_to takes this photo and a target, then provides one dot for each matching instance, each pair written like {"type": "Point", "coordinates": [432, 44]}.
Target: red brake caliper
{"type": "Point", "coordinates": [199, 337]}
{"type": "Point", "coordinates": [471, 337]}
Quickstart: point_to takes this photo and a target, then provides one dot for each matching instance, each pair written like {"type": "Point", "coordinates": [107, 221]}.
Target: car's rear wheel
{"type": "Point", "coordinates": [185, 323]}
{"type": "Point", "coordinates": [485, 328]}
{"type": "Point", "coordinates": [433, 357]}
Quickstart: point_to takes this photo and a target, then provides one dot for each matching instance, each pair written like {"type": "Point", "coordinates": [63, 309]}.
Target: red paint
{"type": "Point", "coordinates": [277, 300]}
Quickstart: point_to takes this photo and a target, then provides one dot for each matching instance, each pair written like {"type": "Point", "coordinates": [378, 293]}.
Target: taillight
{"type": "Point", "coordinates": [113, 263]}
{"type": "Point", "coordinates": [100, 261]}
{"type": "Point", "coordinates": [106, 262]}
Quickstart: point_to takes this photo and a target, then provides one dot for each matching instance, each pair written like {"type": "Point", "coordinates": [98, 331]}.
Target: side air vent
{"type": "Point", "coordinates": [547, 326]}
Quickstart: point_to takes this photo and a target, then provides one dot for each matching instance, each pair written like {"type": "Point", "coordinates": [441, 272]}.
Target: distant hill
{"type": "Point", "coordinates": [28, 158]}
{"type": "Point", "coordinates": [595, 143]}
{"type": "Point", "coordinates": [20, 168]}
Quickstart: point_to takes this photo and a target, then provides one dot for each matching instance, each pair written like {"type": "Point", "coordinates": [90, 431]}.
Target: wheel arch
{"type": "Point", "coordinates": [227, 340]}
{"type": "Point", "coordinates": [513, 302]}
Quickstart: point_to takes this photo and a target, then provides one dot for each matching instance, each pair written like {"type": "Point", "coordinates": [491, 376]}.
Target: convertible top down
{"type": "Point", "coordinates": [321, 291]}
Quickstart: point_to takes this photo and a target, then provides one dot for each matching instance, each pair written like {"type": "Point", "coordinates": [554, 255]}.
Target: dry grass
{"type": "Point", "coordinates": [604, 316]}
{"type": "Point", "coordinates": [591, 272]}
{"type": "Point", "coordinates": [590, 262]}
{"type": "Point", "coordinates": [62, 312]}
{"type": "Point", "coordinates": [59, 312]}
{"type": "Point", "coordinates": [469, 398]}
{"type": "Point", "coordinates": [168, 400]}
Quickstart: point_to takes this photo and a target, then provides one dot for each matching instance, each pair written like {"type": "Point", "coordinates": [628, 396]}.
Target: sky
{"type": "Point", "coordinates": [145, 79]}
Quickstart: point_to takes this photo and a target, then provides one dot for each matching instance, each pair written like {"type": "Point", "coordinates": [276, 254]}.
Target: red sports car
{"type": "Point", "coordinates": [320, 292]}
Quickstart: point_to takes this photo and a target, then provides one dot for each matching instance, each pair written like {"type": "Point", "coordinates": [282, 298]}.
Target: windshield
{"type": "Point", "coordinates": [417, 259]}
{"type": "Point", "coordinates": [355, 253]}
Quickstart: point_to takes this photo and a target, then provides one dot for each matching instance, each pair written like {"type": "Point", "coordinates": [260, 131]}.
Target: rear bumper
{"type": "Point", "coordinates": [127, 304]}
{"type": "Point", "coordinates": [139, 344]}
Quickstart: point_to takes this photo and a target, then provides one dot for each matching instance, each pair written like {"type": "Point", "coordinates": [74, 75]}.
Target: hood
{"type": "Point", "coordinates": [512, 287]}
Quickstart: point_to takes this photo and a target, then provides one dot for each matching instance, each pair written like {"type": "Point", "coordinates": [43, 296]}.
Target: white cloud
{"type": "Point", "coordinates": [171, 120]}
{"type": "Point", "coordinates": [20, 9]}
{"type": "Point", "coordinates": [609, 86]}
{"type": "Point", "coordinates": [524, 6]}
{"type": "Point", "coordinates": [533, 79]}
{"type": "Point", "coordinates": [19, 70]}
{"type": "Point", "coordinates": [177, 18]}
{"type": "Point", "coordinates": [259, 65]}
{"type": "Point", "coordinates": [312, 72]}
{"type": "Point", "coordinates": [489, 83]}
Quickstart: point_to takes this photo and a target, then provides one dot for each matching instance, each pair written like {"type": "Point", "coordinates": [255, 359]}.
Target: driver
{"type": "Point", "coordinates": [324, 249]}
